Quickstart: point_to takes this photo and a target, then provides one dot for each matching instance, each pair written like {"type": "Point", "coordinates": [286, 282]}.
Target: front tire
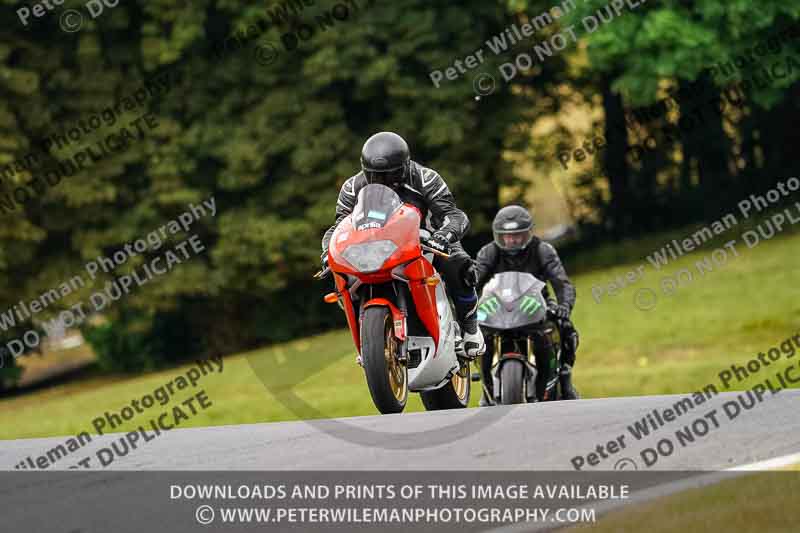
{"type": "Point", "coordinates": [454, 395]}
{"type": "Point", "coordinates": [387, 379]}
{"type": "Point", "coordinates": [511, 374]}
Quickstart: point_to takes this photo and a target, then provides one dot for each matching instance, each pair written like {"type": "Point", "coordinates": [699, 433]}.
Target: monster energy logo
{"type": "Point", "coordinates": [529, 305]}
{"type": "Point", "coordinates": [490, 306]}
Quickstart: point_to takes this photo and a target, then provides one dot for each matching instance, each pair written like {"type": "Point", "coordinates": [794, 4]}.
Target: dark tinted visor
{"type": "Point", "coordinates": [384, 177]}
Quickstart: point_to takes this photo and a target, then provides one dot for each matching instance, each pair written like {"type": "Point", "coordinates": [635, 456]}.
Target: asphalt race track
{"type": "Point", "coordinates": [546, 436]}
{"type": "Point", "coordinates": [519, 444]}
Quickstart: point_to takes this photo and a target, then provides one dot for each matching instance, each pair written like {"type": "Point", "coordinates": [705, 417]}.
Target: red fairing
{"type": "Point", "coordinates": [424, 295]}
{"type": "Point", "coordinates": [402, 229]}
{"type": "Point", "coordinates": [349, 310]}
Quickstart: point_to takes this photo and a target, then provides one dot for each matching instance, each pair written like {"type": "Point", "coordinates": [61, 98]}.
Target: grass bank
{"type": "Point", "coordinates": [679, 344]}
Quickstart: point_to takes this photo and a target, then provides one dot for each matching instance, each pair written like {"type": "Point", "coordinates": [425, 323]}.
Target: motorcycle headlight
{"type": "Point", "coordinates": [369, 256]}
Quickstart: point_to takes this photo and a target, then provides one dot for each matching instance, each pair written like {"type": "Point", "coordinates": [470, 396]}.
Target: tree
{"type": "Point", "coordinates": [270, 142]}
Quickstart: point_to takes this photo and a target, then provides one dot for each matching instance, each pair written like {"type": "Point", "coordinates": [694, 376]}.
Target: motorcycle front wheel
{"type": "Point", "coordinates": [511, 374]}
{"type": "Point", "coordinates": [387, 378]}
{"type": "Point", "coordinates": [454, 395]}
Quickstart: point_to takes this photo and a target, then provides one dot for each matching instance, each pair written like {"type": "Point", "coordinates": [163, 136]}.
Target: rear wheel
{"type": "Point", "coordinates": [454, 395]}
{"type": "Point", "coordinates": [511, 374]}
{"type": "Point", "coordinates": [387, 379]}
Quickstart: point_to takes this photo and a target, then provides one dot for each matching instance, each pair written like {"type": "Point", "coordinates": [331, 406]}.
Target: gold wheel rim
{"type": "Point", "coordinates": [397, 373]}
{"type": "Point", "coordinates": [461, 382]}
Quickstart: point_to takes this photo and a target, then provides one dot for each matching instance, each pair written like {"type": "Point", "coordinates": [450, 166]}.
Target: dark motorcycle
{"type": "Point", "coordinates": [525, 340]}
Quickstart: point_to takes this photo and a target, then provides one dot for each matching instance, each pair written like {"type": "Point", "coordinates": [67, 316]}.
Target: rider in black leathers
{"type": "Point", "coordinates": [385, 159]}
{"type": "Point", "coordinates": [516, 249]}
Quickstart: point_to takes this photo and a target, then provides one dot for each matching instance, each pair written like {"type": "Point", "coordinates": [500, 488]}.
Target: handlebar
{"type": "Point", "coordinates": [434, 251]}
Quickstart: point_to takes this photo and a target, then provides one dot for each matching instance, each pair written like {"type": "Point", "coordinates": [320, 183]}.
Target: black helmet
{"type": "Point", "coordinates": [512, 229]}
{"type": "Point", "coordinates": [385, 159]}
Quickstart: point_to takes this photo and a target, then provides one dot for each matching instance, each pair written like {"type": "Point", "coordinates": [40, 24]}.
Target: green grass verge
{"type": "Point", "coordinates": [759, 503]}
{"type": "Point", "coordinates": [727, 316]}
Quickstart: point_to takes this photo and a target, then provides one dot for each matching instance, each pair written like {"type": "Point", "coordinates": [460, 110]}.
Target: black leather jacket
{"type": "Point", "coordinates": [426, 190]}
{"type": "Point", "coordinates": [539, 258]}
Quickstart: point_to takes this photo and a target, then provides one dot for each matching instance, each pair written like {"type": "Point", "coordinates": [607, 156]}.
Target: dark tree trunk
{"type": "Point", "coordinates": [750, 170]}
{"type": "Point", "coordinates": [779, 137]}
{"type": "Point", "coordinates": [615, 165]}
{"type": "Point", "coordinates": [704, 144]}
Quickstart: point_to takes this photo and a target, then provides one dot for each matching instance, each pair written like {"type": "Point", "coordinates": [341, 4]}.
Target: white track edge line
{"type": "Point", "coordinates": [660, 491]}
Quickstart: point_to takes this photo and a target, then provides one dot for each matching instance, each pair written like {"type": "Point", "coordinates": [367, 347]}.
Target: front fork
{"type": "Point", "coordinates": [402, 305]}
{"type": "Point", "coordinates": [398, 312]}
{"type": "Point", "coordinates": [533, 371]}
{"type": "Point", "coordinates": [538, 387]}
{"type": "Point", "coordinates": [497, 360]}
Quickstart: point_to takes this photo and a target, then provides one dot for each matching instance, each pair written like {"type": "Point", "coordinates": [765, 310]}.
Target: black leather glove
{"type": "Point", "coordinates": [560, 311]}
{"type": "Point", "coordinates": [439, 242]}
{"type": "Point", "coordinates": [470, 274]}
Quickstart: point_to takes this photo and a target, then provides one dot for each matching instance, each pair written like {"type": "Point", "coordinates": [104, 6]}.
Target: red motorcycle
{"type": "Point", "coordinates": [402, 322]}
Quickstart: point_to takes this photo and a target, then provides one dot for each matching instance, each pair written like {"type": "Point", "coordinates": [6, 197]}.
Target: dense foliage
{"type": "Point", "coordinates": [271, 142]}
{"type": "Point", "coordinates": [272, 133]}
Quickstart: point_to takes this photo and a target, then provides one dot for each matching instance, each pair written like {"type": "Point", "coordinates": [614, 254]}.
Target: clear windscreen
{"type": "Point", "coordinates": [374, 206]}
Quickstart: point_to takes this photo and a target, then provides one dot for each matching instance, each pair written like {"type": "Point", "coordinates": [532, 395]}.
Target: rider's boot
{"type": "Point", "coordinates": [467, 315]}
{"type": "Point", "coordinates": [569, 348]}
{"type": "Point", "coordinates": [568, 391]}
{"type": "Point", "coordinates": [473, 338]}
